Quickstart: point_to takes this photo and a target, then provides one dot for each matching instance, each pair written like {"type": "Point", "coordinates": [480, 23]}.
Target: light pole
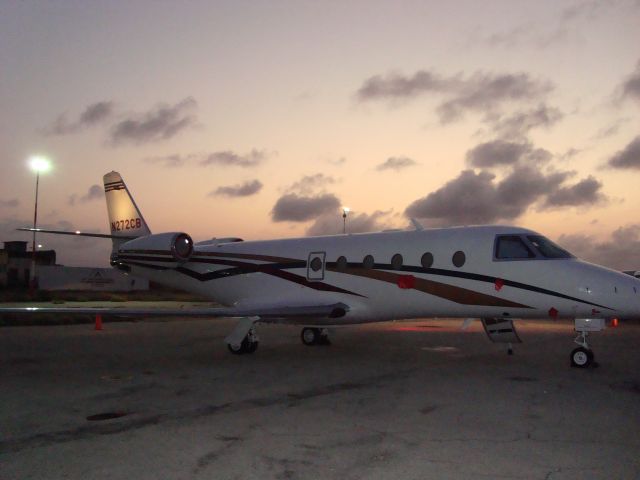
{"type": "Point", "coordinates": [345, 211]}
{"type": "Point", "coordinates": [37, 164]}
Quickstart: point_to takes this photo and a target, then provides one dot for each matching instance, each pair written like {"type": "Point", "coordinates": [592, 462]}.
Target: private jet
{"type": "Point", "coordinates": [492, 273]}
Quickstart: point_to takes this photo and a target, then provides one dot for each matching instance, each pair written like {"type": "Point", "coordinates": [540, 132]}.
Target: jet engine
{"type": "Point", "coordinates": [178, 244]}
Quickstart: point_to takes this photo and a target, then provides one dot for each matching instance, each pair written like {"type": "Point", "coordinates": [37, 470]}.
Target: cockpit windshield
{"type": "Point", "coordinates": [512, 247]}
{"type": "Point", "coordinates": [547, 248]}
{"type": "Point", "coordinates": [527, 247]}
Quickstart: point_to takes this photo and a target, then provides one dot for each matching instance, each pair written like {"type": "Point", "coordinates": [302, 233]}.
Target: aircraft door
{"type": "Point", "coordinates": [315, 266]}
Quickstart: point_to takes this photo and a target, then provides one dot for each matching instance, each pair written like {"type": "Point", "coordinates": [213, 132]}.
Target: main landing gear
{"type": "Point", "coordinates": [244, 338]}
{"type": "Point", "coordinates": [315, 336]}
{"type": "Point", "coordinates": [583, 357]}
{"type": "Point", "coordinates": [249, 344]}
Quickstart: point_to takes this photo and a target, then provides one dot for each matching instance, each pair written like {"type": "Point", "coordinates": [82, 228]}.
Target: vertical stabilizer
{"type": "Point", "coordinates": [125, 218]}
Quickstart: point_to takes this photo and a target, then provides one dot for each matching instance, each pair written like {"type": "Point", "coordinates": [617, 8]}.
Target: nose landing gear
{"type": "Point", "coordinates": [583, 357]}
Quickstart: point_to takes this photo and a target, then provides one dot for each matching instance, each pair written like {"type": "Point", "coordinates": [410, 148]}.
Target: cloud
{"type": "Point", "coordinates": [93, 115]}
{"type": "Point", "coordinates": [224, 158]}
{"type": "Point", "coordinates": [631, 86]}
{"type": "Point", "coordinates": [485, 92]}
{"type": "Point", "coordinates": [480, 92]}
{"type": "Point", "coordinates": [620, 252]}
{"type": "Point", "coordinates": [476, 198]}
{"type": "Point", "coordinates": [12, 202]}
{"type": "Point", "coordinates": [245, 189]}
{"type": "Point", "coordinates": [95, 192]}
{"type": "Point", "coordinates": [160, 123]}
{"type": "Point", "coordinates": [96, 113]}
{"type": "Point", "coordinates": [511, 37]}
{"type": "Point", "coordinates": [397, 86]}
{"type": "Point", "coordinates": [499, 153]}
{"type": "Point", "coordinates": [311, 183]}
{"type": "Point", "coordinates": [569, 153]}
{"type": "Point", "coordinates": [337, 161]}
{"type": "Point", "coordinates": [229, 158]}
{"type": "Point", "coordinates": [611, 130]}
{"type": "Point", "coordinates": [628, 157]}
{"type": "Point", "coordinates": [551, 32]}
{"type": "Point", "coordinates": [528, 34]}
{"type": "Point", "coordinates": [169, 161]}
{"type": "Point", "coordinates": [396, 163]}
{"type": "Point", "coordinates": [520, 123]}
{"type": "Point", "coordinates": [331, 224]}
{"type": "Point", "coordinates": [297, 208]}
{"type": "Point", "coordinates": [585, 192]}
{"type": "Point", "coordinates": [469, 198]}
{"type": "Point", "coordinates": [523, 187]}
{"type": "Point", "coordinates": [585, 9]}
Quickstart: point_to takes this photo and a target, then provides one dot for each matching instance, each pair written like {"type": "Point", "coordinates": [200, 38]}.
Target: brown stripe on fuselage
{"type": "Point", "coordinates": [325, 287]}
{"type": "Point", "coordinates": [442, 290]}
{"type": "Point", "coordinates": [247, 256]}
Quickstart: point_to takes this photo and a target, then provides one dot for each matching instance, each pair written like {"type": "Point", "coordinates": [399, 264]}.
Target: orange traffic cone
{"type": "Point", "coordinates": [98, 322]}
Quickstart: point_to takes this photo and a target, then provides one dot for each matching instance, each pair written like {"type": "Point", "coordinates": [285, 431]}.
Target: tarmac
{"type": "Point", "coordinates": [401, 400]}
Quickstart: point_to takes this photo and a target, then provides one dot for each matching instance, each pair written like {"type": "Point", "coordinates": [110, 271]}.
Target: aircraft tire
{"type": "Point", "coordinates": [310, 336]}
{"type": "Point", "coordinates": [252, 347]}
{"type": "Point", "coordinates": [236, 349]}
{"type": "Point", "coordinates": [245, 347]}
{"type": "Point", "coordinates": [581, 357]}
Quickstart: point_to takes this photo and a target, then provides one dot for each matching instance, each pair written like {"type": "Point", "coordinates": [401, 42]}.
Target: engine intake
{"type": "Point", "coordinates": [178, 244]}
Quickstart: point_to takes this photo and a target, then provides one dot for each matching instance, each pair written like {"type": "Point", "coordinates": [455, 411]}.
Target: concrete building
{"type": "Point", "coordinates": [15, 272]}
{"type": "Point", "coordinates": [16, 261]}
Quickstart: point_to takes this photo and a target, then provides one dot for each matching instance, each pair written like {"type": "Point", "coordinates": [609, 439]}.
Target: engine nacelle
{"type": "Point", "coordinates": [178, 244]}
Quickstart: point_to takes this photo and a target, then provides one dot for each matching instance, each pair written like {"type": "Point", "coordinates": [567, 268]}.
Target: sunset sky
{"type": "Point", "coordinates": [261, 119]}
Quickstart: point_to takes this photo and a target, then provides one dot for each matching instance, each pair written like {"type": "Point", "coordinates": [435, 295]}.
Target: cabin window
{"type": "Point", "coordinates": [427, 260]}
{"type": "Point", "coordinates": [316, 264]}
{"type": "Point", "coordinates": [396, 261]}
{"type": "Point", "coordinates": [341, 263]}
{"type": "Point", "coordinates": [459, 258]}
{"type": "Point", "coordinates": [512, 247]}
{"type": "Point", "coordinates": [547, 248]}
{"type": "Point", "coordinates": [368, 261]}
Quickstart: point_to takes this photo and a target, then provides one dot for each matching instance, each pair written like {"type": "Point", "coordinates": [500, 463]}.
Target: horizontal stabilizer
{"type": "Point", "coordinates": [77, 233]}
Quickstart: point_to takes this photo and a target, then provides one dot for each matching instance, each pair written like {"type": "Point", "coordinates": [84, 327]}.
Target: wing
{"type": "Point", "coordinates": [265, 313]}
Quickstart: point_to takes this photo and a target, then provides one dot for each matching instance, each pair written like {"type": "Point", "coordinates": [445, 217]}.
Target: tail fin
{"type": "Point", "coordinates": [125, 219]}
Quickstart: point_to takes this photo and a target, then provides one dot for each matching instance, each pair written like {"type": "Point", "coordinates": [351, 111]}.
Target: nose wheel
{"type": "Point", "coordinates": [581, 357]}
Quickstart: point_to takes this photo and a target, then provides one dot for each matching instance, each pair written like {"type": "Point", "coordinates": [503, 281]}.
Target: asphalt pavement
{"type": "Point", "coordinates": [402, 400]}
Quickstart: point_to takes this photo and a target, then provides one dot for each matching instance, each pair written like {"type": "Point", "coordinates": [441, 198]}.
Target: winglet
{"type": "Point", "coordinates": [416, 224]}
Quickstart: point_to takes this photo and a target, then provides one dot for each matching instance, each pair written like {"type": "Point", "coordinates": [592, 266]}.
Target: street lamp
{"type": "Point", "coordinates": [38, 164]}
{"type": "Point", "coordinates": [345, 211]}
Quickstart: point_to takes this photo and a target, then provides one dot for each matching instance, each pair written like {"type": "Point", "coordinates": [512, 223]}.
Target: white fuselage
{"type": "Point", "coordinates": [282, 272]}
